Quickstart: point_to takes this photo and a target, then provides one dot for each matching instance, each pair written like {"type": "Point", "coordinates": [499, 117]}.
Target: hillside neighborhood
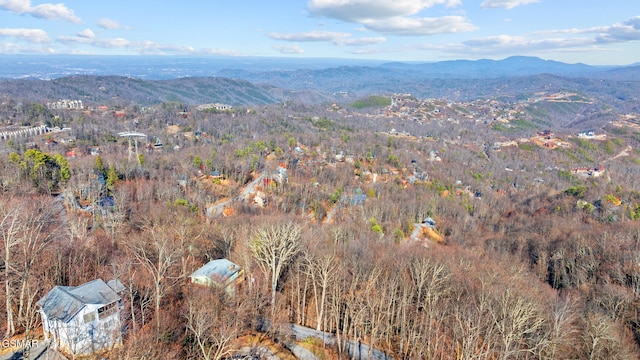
{"type": "Point", "coordinates": [320, 180]}
{"type": "Point", "coordinates": [331, 230]}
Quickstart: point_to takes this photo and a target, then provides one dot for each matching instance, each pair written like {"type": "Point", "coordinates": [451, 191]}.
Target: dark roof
{"type": "Point", "coordinates": [107, 201]}
{"type": "Point", "coordinates": [116, 285]}
{"type": "Point", "coordinates": [64, 302]}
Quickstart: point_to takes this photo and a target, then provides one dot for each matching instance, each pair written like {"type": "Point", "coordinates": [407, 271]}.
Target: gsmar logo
{"type": "Point", "coordinates": [18, 343]}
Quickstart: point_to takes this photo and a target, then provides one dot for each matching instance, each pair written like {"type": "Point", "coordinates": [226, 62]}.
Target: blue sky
{"type": "Point", "coordinates": [589, 31]}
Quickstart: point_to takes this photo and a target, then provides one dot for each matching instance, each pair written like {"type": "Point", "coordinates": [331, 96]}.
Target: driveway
{"type": "Point", "coordinates": [356, 350]}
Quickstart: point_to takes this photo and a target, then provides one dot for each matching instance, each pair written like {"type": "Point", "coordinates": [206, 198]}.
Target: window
{"type": "Point", "coordinates": [89, 317]}
{"type": "Point", "coordinates": [107, 310]}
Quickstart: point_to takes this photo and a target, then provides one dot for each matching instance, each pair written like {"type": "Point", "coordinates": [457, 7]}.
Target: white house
{"type": "Point", "coordinates": [220, 272]}
{"type": "Point", "coordinates": [587, 134]}
{"type": "Point", "coordinates": [83, 319]}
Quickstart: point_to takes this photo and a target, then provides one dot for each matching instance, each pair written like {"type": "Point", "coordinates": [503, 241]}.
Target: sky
{"type": "Point", "coordinates": [594, 32]}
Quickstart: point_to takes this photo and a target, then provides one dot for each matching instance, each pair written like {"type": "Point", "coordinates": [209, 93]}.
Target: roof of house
{"type": "Point", "coordinates": [64, 302]}
{"type": "Point", "coordinates": [116, 285]}
{"type": "Point", "coordinates": [220, 270]}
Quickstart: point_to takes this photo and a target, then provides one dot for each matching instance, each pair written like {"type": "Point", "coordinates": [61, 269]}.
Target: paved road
{"type": "Point", "coordinates": [261, 352]}
{"type": "Point", "coordinates": [264, 352]}
{"type": "Point", "coordinates": [39, 352]}
{"type": "Point", "coordinates": [356, 350]}
{"type": "Point", "coordinates": [216, 210]}
{"type": "Point", "coordinates": [301, 352]}
{"type": "Point", "coordinates": [332, 212]}
{"type": "Point", "coordinates": [250, 188]}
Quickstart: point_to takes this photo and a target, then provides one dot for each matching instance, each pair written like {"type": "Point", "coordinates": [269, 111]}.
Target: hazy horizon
{"type": "Point", "coordinates": [405, 31]}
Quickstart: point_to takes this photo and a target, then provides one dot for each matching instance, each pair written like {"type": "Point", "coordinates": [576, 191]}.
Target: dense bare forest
{"type": "Point", "coordinates": [437, 236]}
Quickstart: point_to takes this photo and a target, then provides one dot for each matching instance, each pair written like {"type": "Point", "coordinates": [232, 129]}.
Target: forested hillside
{"type": "Point", "coordinates": [126, 90]}
{"type": "Point", "coordinates": [266, 81]}
{"type": "Point", "coordinates": [501, 227]}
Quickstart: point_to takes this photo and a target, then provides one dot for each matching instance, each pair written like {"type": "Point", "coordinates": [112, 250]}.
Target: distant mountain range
{"type": "Point", "coordinates": [168, 67]}
{"type": "Point", "coordinates": [392, 77]}
{"type": "Point", "coordinates": [513, 66]}
{"type": "Point", "coordinates": [240, 81]}
{"type": "Point", "coordinates": [154, 67]}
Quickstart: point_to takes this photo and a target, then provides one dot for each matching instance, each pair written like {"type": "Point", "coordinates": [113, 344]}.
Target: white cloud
{"type": "Point", "coordinates": [17, 6]}
{"type": "Point", "coordinates": [494, 43]}
{"type": "Point", "coordinates": [223, 52]}
{"type": "Point", "coordinates": [393, 17]}
{"type": "Point", "coordinates": [54, 12]}
{"type": "Point", "coordinates": [420, 26]}
{"type": "Point", "coordinates": [118, 43]}
{"type": "Point", "coordinates": [289, 49]}
{"type": "Point", "coordinates": [506, 4]}
{"type": "Point", "coordinates": [362, 41]}
{"type": "Point", "coordinates": [42, 11]}
{"type": "Point", "coordinates": [31, 35]}
{"type": "Point", "coordinates": [560, 32]}
{"type": "Point", "coordinates": [509, 45]}
{"type": "Point", "coordinates": [101, 43]}
{"type": "Point", "coordinates": [154, 48]}
{"type": "Point", "coordinates": [359, 10]}
{"type": "Point", "coordinates": [110, 24]}
{"type": "Point", "coordinates": [140, 47]}
{"type": "Point", "coordinates": [309, 36]}
{"type": "Point", "coordinates": [86, 33]}
{"type": "Point", "coordinates": [11, 48]}
{"type": "Point", "coordinates": [620, 32]}
{"type": "Point", "coordinates": [376, 51]}
{"type": "Point", "coordinates": [593, 39]}
{"type": "Point", "coordinates": [337, 38]}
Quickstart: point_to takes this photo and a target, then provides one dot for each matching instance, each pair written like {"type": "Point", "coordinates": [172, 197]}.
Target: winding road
{"type": "Point", "coordinates": [358, 350]}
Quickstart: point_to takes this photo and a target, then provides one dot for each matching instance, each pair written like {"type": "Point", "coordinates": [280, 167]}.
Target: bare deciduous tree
{"type": "Point", "coordinates": [26, 231]}
{"type": "Point", "coordinates": [600, 338]}
{"type": "Point", "coordinates": [160, 257]}
{"type": "Point", "coordinates": [274, 247]}
{"type": "Point", "coordinates": [211, 323]}
{"type": "Point", "coordinates": [10, 224]}
{"type": "Point", "coordinates": [321, 267]}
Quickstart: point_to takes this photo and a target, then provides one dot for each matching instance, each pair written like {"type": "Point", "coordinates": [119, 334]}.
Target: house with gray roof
{"type": "Point", "coordinates": [220, 272]}
{"type": "Point", "coordinates": [83, 319]}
